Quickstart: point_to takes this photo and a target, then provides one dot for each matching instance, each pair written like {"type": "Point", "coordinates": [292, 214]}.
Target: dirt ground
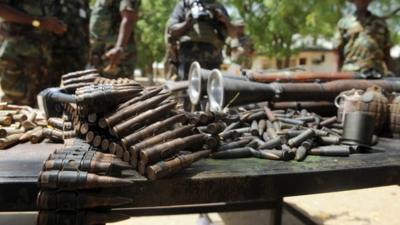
{"type": "Point", "coordinates": [358, 207]}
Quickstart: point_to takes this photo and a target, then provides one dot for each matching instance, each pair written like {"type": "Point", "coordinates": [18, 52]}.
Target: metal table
{"type": "Point", "coordinates": [215, 185]}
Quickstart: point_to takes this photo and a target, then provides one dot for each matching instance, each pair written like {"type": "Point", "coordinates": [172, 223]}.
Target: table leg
{"type": "Point", "coordinates": [276, 216]}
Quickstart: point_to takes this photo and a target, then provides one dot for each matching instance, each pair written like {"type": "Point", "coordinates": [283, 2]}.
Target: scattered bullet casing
{"type": "Point", "coordinates": [333, 150]}
{"type": "Point", "coordinates": [216, 128]}
{"type": "Point", "coordinates": [296, 141]}
{"type": "Point", "coordinates": [37, 136]}
{"type": "Point", "coordinates": [59, 124]}
{"type": "Point", "coordinates": [232, 145]}
{"type": "Point", "coordinates": [254, 128]}
{"type": "Point", "coordinates": [244, 152]}
{"type": "Point", "coordinates": [262, 125]}
{"type": "Point", "coordinates": [273, 143]}
{"type": "Point", "coordinates": [9, 141]}
{"type": "Point", "coordinates": [302, 150]}
{"type": "Point", "coordinates": [328, 122]}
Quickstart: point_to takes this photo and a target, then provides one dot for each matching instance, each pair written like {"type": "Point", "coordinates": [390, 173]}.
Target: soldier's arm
{"type": "Point", "coordinates": [222, 16]}
{"type": "Point", "coordinates": [129, 17]}
{"type": "Point", "coordinates": [339, 43]}
{"type": "Point", "coordinates": [126, 27]}
{"type": "Point", "coordinates": [12, 15]}
{"type": "Point", "coordinates": [180, 22]}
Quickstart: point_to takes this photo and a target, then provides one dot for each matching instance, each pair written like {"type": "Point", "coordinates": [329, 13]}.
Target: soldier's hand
{"type": "Point", "coordinates": [54, 25]}
{"type": "Point", "coordinates": [114, 55]}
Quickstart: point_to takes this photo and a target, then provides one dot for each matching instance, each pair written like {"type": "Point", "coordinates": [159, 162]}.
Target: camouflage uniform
{"type": "Point", "coordinates": [70, 52]}
{"type": "Point", "coordinates": [105, 22]}
{"type": "Point", "coordinates": [202, 43]}
{"type": "Point", "coordinates": [364, 41]}
{"type": "Point", "coordinates": [24, 55]}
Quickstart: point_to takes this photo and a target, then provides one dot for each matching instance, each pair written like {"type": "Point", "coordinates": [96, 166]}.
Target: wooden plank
{"type": "Point", "coordinates": [212, 181]}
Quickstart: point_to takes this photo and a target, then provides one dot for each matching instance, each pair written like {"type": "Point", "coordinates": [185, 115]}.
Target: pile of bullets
{"type": "Point", "coordinates": [133, 129]}
{"type": "Point", "coordinates": [89, 77]}
{"type": "Point", "coordinates": [69, 183]}
{"type": "Point", "coordinates": [131, 125]}
{"type": "Point", "coordinates": [19, 124]}
{"type": "Point", "coordinates": [275, 135]}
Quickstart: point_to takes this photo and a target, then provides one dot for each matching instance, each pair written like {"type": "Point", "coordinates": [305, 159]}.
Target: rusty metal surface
{"type": "Point", "coordinates": [212, 181]}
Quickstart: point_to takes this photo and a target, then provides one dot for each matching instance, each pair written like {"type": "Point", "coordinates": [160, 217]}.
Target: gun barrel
{"type": "Point", "coordinates": [290, 76]}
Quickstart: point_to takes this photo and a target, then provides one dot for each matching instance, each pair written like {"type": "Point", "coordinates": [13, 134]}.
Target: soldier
{"type": "Point", "coordinates": [70, 52]}
{"type": "Point", "coordinates": [200, 28]}
{"type": "Point", "coordinates": [112, 39]}
{"type": "Point", "coordinates": [25, 53]}
{"type": "Point", "coordinates": [363, 42]}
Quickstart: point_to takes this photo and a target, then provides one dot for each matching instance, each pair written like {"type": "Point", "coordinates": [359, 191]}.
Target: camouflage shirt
{"type": "Point", "coordinates": [363, 42]}
{"type": "Point", "coordinates": [106, 18]}
{"type": "Point", "coordinates": [105, 21]}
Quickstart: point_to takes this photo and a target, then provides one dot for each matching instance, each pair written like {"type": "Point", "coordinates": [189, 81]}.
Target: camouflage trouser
{"type": "Point", "coordinates": [70, 51]}
{"type": "Point", "coordinates": [125, 67]}
{"type": "Point", "coordinates": [23, 68]}
{"type": "Point", "coordinates": [22, 81]}
{"type": "Point", "coordinates": [206, 54]}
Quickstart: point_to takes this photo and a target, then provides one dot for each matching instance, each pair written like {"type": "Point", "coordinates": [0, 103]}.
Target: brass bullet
{"type": "Point", "coordinates": [142, 119]}
{"type": "Point", "coordinates": [168, 168]}
{"type": "Point", "coordinates": [9, 141]}
{"type": "Point", "coordinates": [151, 130]}
{"type": "Point", "coordinates": [159, 152]}
{"type": "Point", "coordinates": [296, 141]}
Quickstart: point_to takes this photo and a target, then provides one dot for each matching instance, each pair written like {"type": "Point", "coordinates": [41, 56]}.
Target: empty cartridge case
{"type": "Point", "coordinates": [216, 128]}
{"type": "Point", "coordinates": [27, 136]}
{"type": "Point", "coordinates": [329, 121]}
{"type": "Point", "coordinates": [244, 152]}
{"type": "Point", "coordinates": [5, 120]}
{"type": "Point", "coordinates": [333, 150]}
{"type": "Point", "coordinates": [254, 128]}
{"type": "Point", "coordinates": [59, 123]}
{"type": "Point", "coordinates": [262, 125]}
{"type": "Point", "coordinates": [302, 150]}
{"type": "Point", "coordinates": [273, 143]}
{"type": "Point", "coordinates": [37, 136]}
{"type": "Point", "coordinates": [168, 168]}
{"type": "Point", "coordinates": [296, 141]}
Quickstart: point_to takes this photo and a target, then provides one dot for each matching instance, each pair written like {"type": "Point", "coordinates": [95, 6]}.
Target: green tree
{"type": "Point", "coordinates": [150, 30]}
{"type": "Point", "coordinates": [273, 23]}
